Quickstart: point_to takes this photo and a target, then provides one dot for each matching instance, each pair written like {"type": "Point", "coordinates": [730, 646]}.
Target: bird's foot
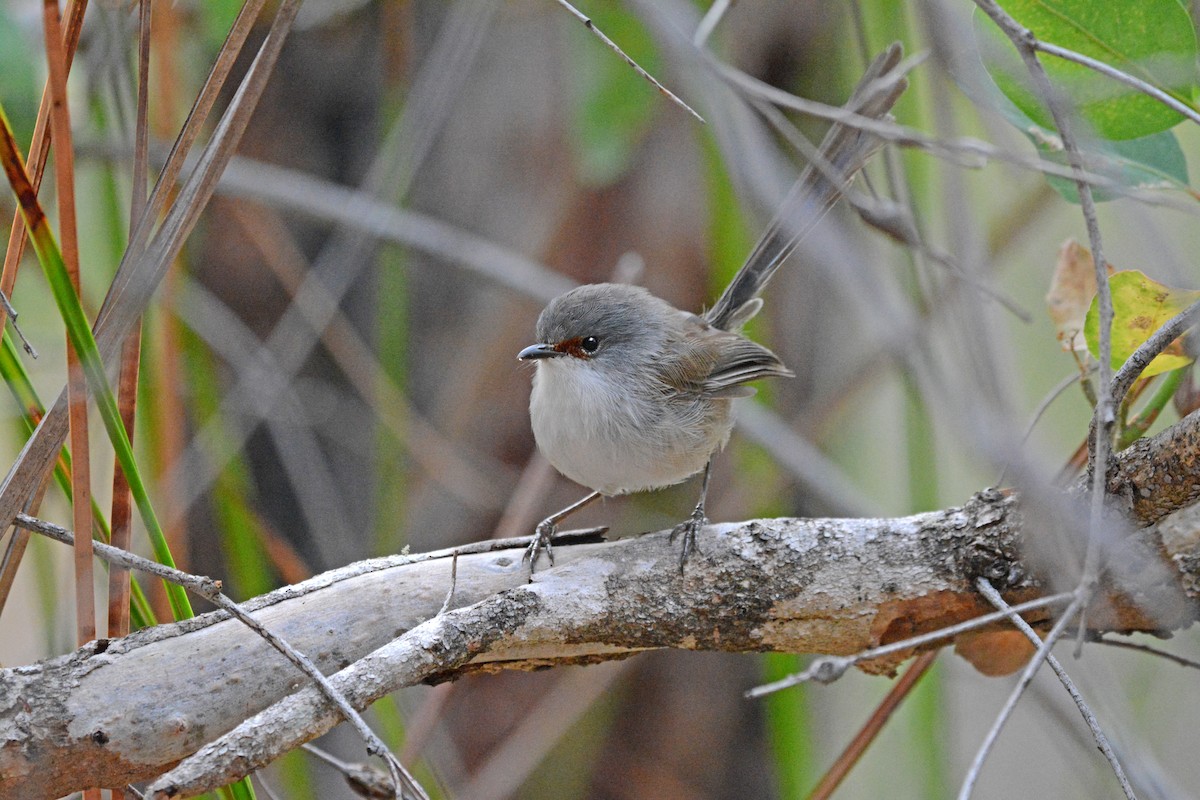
{"type": "Point", "coordinates": [540, 543]}
{"type": "Point", "coordinates": [689, 528]}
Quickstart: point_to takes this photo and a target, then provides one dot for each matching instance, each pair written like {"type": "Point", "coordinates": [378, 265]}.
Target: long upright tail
{"type": "Point", "coordinates": [844, 151]}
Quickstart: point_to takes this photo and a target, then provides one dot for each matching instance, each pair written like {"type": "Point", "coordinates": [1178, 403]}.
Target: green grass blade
{"type": "Point", "coordinates": [79, 332]}
{"type": "Point", "coordinates": [13, 373]}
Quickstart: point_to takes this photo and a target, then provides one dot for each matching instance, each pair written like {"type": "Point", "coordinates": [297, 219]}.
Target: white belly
{"type": "Point", "coordinates": [617, 442]}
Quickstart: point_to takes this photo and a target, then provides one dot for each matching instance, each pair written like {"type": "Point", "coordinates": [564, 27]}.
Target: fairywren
{"type": "Point", "coordinates": [631, 393]}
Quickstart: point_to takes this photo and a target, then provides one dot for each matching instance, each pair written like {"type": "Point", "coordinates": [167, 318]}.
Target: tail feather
{"type": "Point", "coordinates": [844, 150]}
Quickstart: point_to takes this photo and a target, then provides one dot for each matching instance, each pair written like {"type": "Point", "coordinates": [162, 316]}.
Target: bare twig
{"type": "Point", "coordinates": [375, 746]}
{"type": "Point", "coordinates": [1018, 691]}
{"type": "Point", "coordinates": [709, 23]}
{"type": "Point", "coordinates": [12, 320]}
{"type": "Point", "coordinates": [965, 151]}
{"type": "Point", "coordinates": [1104, 418]}
{"type": "Point", "coordinates": [1145, 648]}
{"type": "Point", "coordinates": [828, 670]}
{"type": "Point", "coordinates": [591, 26]}
{"type": "Point", "coordinates": [1043, 406]}
{"type": "Point", "coordinates": [210, 590]}
{"type": "Point", "coordinates": [365, 780]}
{"type": "Point", "coordinates": [987, 590]}
{"type": "Point", "coordinates": [205, 587]}
{"type": "Point", "coordinates": [882, 215]}
{"type": "Point", "coordinates": [1118, 75]}
{"type": "Point", "coordinates": [453, 583]}
{"type": "Point", "coordinates": [1171, 330]}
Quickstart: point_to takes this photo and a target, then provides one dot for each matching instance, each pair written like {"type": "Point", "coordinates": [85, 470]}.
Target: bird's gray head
{"type": "Point", "coordinates": [602, 322]}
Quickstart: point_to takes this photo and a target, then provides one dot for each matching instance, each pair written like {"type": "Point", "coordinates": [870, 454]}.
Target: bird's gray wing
{"type": "Point", "coordinates": [740, 362]}
{"type": "Point", "coordinates": [706, 361]}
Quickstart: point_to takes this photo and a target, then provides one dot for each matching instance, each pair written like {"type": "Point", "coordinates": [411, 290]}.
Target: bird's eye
{"type": "Point", "coordinates": [590, 344]}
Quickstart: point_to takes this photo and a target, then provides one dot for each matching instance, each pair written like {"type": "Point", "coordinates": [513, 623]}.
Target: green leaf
{"type": "Point", "coordinates": [1153, 40]}
{"type": "Point", "coordinates": [1152, 162]}
{"type": "Point", "coordinates": [1141, 306]}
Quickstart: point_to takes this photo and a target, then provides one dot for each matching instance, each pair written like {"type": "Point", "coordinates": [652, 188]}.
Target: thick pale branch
{"type": "Point", "coordinates": [128, 709]}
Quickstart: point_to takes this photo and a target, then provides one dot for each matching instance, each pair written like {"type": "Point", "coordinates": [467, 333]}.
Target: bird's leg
{"type": "Point", "coordinates": [690, 526]}
{"type": "Point", "coordinates": [547, 528]}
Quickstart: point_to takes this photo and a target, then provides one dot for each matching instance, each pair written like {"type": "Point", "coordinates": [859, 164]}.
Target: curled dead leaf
{"type": "Point", "coordinates": [1072, 288]}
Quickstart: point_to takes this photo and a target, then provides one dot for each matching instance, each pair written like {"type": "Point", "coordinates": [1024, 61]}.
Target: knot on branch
{"type": "Point", "coordinates": [988, 546]}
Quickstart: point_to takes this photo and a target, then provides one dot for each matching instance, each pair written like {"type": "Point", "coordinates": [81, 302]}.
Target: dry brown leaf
{"type": "Point", "coordinates": [995, 653]}
{"type": "Point", "coordinates": [1071, 291]}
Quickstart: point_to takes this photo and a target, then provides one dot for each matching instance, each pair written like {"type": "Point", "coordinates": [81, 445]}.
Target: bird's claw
{"type": "Point", "coordinates": [689, 528]}
{"type": "Point", "coordinates": [540, 542]}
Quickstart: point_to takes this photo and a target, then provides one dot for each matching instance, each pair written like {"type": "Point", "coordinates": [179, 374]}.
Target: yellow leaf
{"type": "Point", "coordinates": [1140, 307]}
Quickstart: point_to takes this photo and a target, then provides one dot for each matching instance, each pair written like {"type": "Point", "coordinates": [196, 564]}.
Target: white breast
{"type": "Point", "coordinates": [617, 441]}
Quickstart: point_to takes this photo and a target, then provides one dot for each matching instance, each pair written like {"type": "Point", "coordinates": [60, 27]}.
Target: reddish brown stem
{"type": "Point", "coordinates": [38, 149]}
{"type": "Point", "coordinates": [64, 176]}
{"type": "Point", "coordinates": [862, 740]}
{"type": "Point", "coordinates": [122, 500]}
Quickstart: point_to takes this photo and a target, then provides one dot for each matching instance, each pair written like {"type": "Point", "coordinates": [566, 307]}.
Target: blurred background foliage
{"type": "Point", "coordinates": [315, 393]}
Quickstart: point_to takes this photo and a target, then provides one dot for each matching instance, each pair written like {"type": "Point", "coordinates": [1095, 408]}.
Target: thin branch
{"type": "Point", "coordinates": [993, 597]}
{"type": "Point", "coordinates": [366, 781]}
{"type": "Point", "coordinates": [12, 314]}
{"type": "Point", "coordinates": [1133, 367]}
{"type": "Point", "coordinates": [453, 583]}
{"type": "Point", "coordinates": [1018, 691]}
{"type": "Point", "coordinates": [198, 584]}
{"type": "Point", "coordinates": [886, 216]}
{"type": "Point", "coordinates": [1118, 75]}
{"type": "Point", "coordinates": [1043, 406]}
{"type": "Point", "coordinates": [709, 23]}
{"type": "Point", "coordinates": [375, 746]}
{"type": "Point", "coordinates": [1104, 417]}
{"type": "Point", "coordinates": [591, 26]}
{"type": "Point", "coordinates": [829, 669]}
{"type": "Point", "coordinates": [1145, 648]}
{"type": "Point", "coordinates": [445, 641]}
{"type": "Point", "coordinates": [965, 151]}
{"type": "Point", "coordinates": [210, 590]}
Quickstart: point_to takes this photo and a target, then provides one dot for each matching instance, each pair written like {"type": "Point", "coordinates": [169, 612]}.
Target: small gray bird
{"type": "Point", "coordinates": [632, 394]}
